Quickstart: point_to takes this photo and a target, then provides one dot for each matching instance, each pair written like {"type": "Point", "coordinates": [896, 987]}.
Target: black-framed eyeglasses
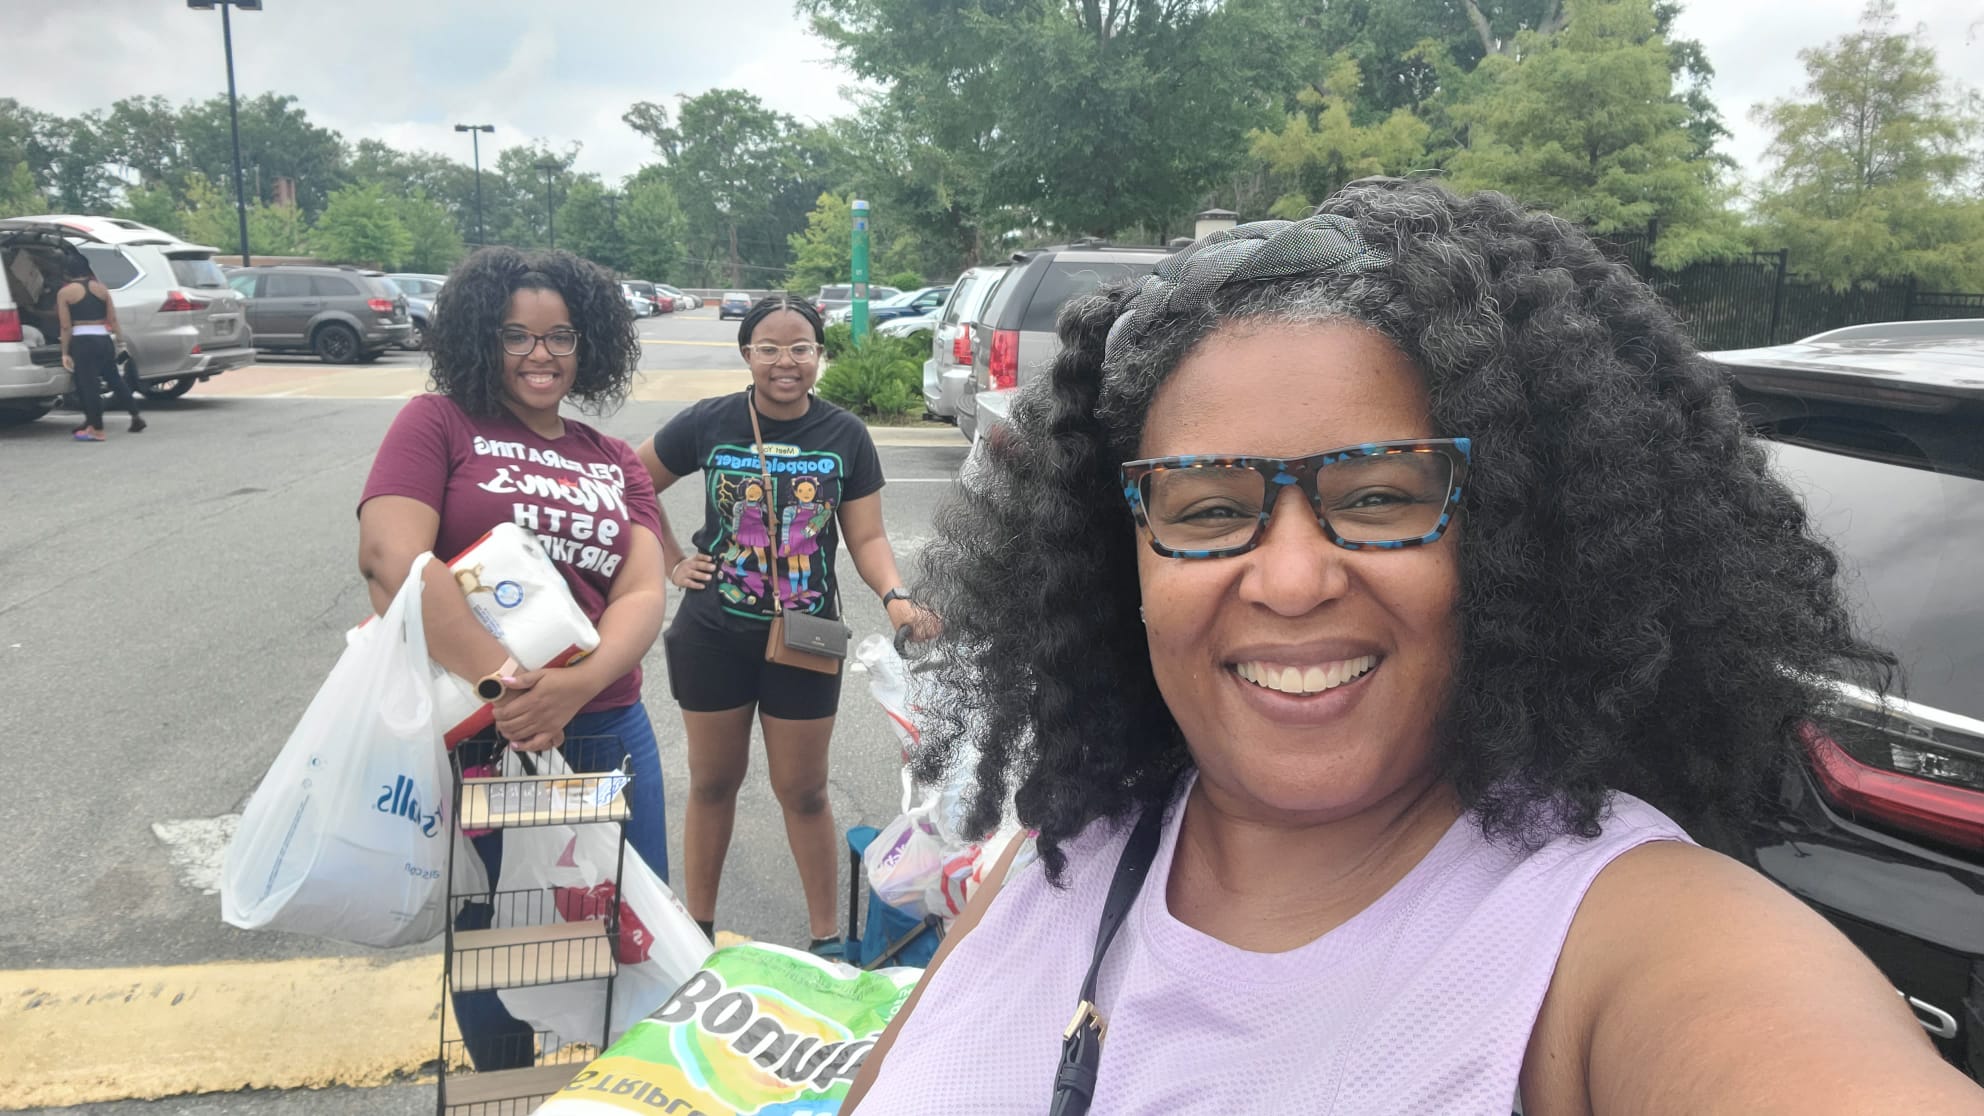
{"type": "Point", "coordinates": [1379, 495]}
{"type": "Point", "coordinates": [563, 341]}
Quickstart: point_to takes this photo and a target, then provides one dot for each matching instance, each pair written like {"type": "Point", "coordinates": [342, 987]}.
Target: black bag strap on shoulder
{"type": "Point", "coordinates": [1081, 1043]}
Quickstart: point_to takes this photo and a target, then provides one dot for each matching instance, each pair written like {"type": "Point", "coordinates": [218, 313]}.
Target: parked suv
{"type": "Point", "coordinates": [180, 321]}
{"type": "Point", "coordinates": [1880, 429]}
{"type": "Point", "coordinates": [420, 291]}
{"type": "Point", "coordinates": [840, 296]}
{"type": "Point", "coordinates": [342, 314]}
{"type": "Point", "coordinates": [949, 366]}
{"type": "Point", "coordinates": [32, 379]}
{"type": "Point", "coordinates": [1016, 340]}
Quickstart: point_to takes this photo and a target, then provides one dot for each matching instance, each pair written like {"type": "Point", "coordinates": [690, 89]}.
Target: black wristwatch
{"type": "Point", "coordinates": [897, 594]}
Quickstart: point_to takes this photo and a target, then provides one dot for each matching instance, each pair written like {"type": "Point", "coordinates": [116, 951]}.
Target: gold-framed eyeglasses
{"type": "Point", "coordinates": [560, 342]}
{"type": "Point", "coordinates": [801, 352]}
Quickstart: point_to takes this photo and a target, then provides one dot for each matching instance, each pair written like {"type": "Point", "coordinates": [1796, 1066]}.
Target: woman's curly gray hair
{"type": "Point", "coordinates": [1643, 607]}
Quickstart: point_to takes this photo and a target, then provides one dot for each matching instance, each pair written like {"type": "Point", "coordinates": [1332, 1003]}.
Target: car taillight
{"type": "Point", "coordinates": [10, 326]}
{"type": "Point", "coordinates": [380, 305]}
{"type": "Point", "coordinates": [1894, 776]}
{"type": "Point", "coordinates": [1004, 371]}
{"type": "Point", "coordinates": [961, 346]}
{"type": "Point", "coordinates": [178, 301]}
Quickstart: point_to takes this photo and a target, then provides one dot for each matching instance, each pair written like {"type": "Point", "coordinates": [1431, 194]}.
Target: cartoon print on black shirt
{"type": "Point", "coordinates": [806, 491]}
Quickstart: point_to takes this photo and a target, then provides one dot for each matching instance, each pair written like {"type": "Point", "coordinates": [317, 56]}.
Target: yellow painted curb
{"type": "Point", "coordinates": [80, 1036]}
{"type": "Point", "coordinates": [89, 1036]}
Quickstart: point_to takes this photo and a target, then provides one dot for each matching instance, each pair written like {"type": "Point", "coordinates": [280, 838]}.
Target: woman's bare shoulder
{"type": "Point", "coordinates": [1691, 983]}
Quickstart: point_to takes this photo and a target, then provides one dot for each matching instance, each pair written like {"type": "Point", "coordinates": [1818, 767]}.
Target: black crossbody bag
{"type": "Point", "coordinates": [1081, 1043]}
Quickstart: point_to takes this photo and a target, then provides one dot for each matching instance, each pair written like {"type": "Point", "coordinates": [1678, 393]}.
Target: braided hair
{"type": "Point", "coordinates": [1643, 607]}
{"type": "Point", "coordinates": [462, 337]}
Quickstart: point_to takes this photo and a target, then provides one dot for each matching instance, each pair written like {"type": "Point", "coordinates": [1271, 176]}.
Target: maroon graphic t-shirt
{"type": "Point", "coordinates": [572, 491]}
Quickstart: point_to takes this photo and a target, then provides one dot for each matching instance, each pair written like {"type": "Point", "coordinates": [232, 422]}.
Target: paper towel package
{"type": "Point", "coordinates": [516, 593]}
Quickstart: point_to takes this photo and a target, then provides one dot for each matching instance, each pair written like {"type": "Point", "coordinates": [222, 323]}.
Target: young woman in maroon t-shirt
{"type": "Point", "coordinates": [514, 336]}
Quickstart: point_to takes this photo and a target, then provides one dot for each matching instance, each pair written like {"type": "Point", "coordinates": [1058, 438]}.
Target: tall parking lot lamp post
{"type": "Point", "coordinates": [233, 114]}
{"type": "Point", "coordinates": [475, 143]}
{"type": "Point", "coordinates": [550, 167]}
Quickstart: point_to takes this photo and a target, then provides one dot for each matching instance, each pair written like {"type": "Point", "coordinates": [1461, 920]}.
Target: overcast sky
{"type": "Point", "coordinates": [406, 70]}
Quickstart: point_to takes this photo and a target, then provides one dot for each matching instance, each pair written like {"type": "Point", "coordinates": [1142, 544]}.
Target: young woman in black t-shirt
{"type": "Point", "coordinates": [826, 481]}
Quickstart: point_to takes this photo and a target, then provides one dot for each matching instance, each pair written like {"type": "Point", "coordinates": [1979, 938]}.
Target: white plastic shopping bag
{"type": "Point", "coordinates": [905, 863]}
{"type": "Point", "coordinates": [659, 945]}
{"type": "Point", "coordinates": [348, 835]}
{"type": "Point", "coordinates": [909, 697]}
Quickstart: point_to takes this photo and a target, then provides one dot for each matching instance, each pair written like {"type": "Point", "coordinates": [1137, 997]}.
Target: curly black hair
{"type": "Point", "coordinates": [1642, 605]}
{"type": "Point", "coordinates": [468, 314]}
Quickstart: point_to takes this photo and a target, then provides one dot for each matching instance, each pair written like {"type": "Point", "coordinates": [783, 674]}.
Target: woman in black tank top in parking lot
{"type": "Point", "coordinates": [89, 349]}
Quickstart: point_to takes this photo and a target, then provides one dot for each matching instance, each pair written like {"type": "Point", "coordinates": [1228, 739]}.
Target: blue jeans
{"type": "Point", "coordinates": [593, 742]}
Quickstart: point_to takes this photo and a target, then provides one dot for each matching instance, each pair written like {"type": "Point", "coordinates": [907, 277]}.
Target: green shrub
{"type": "Point", "coordinates": [883, 378]}
{"type": "Point", "coordinates": [840, 339]}
{"type": "Point", "coordinates": [905, 281]}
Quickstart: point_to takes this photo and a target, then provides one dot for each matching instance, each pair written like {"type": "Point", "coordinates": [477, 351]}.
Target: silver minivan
{"type": "Point", "coordinates": [181, 322]}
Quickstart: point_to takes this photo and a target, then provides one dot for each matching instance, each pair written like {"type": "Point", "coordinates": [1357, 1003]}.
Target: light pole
{"type": "Point", "coordinates": [233, 112]}
{"type": "Point", "coordinates": [550, 167]}
{"type": "Point", "coordinates": [475, 142]}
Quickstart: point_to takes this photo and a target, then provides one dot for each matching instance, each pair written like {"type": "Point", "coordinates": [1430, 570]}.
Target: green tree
{"type": "Point", "coordinates": [141, 136]}
{"type": "Point", "coordinates": [65, 155]}
{"type": "Point", "coordinates": [933, 211]}
{"type": "Point", "coordinates": [278, 140]}
{"type": "Point", "coordinates": [359, 225]}
{"type": "Point", "coordinates": [739, 171]}
{"type": "Point", "coordinates": [434, 244]}
{"type": "Point", "coordinates": [1096, 117]}
{"type": "Point", "coordinates": [31, 137]}
{"type": "Point", "coordinates": [157, 206]}
{"type": "Point", "coordinates": [1319, 147]}
{"type": "Point", "coordinates": [590, 226]}
{"type": "Point", "coordinates": [820, 254]}
{"type": "Point", "coordinates": [207, 216]}
{"type": "Point", "coordinates": [652, 226]}
{"type": "Point", "coordinates": [448, 183]}
{"type": "Point", "coordinates": [519, 200]}
{"type": "Point", "coordinates": [1868, 165]}
{"type": "Point", "coordinates": [277, 230]}
{"type": "Point", "coordinates": [1623, 159]}
{"type": "Point", "coordinates": [19, 196]}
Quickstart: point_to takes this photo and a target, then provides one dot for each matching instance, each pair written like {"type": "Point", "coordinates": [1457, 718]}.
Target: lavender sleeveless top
{"type": "Point", "coordinates": [1422, 1003]}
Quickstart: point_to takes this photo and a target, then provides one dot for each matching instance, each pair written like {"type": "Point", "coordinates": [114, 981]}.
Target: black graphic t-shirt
{"type": "Point", "coordinates": [818, 462]}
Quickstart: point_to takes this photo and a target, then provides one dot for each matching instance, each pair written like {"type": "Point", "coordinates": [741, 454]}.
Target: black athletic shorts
{"type": "Point", "coordinates": [710, 672]}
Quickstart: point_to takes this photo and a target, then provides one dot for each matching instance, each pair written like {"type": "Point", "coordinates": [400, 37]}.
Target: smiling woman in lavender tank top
{"type": "Point", "coordinates": [1410, 574]}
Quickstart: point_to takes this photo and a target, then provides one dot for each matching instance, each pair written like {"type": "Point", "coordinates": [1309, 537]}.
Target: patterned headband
{"type": "Point", "coordinates": [1251, 252]}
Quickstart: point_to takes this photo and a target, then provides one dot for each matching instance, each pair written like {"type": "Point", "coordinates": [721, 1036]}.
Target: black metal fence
{"type": "Point", "coordinates": [1757, 300]}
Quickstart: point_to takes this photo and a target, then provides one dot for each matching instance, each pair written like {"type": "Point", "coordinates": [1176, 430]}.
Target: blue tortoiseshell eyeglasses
{"type": "Point", "coordinates": [1379, 495]}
